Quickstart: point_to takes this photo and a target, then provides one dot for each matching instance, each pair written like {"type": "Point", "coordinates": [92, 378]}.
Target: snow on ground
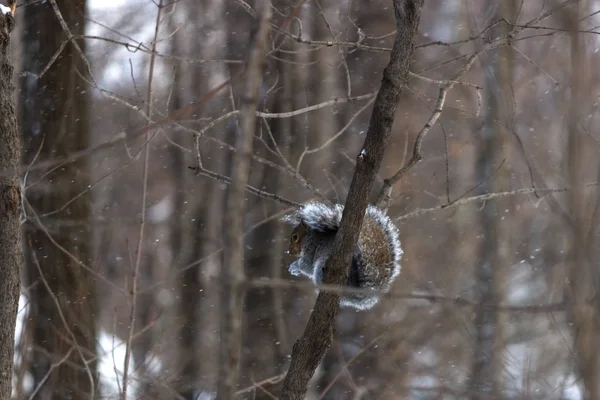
{"type": "Point", "coordinates": [111, 352]}
{"type": "Point", "coordinates": [112, 360]}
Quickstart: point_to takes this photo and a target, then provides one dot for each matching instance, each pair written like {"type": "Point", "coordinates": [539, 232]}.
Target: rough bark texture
{"type": "Point", "coordinates": [232, 275]}
{"type": "Point", "coordinates": [54, 120]}
{"type": "Point", "coordinates": [11, 256]}
{"type": "Point", "coordinates": [311, 347]}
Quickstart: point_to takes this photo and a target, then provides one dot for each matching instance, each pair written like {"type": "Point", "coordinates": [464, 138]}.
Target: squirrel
{"type": "Point", "coordinates": [376, 259]}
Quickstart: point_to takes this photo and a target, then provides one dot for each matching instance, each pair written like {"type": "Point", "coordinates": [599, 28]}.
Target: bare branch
{"type": "Point", "coordinates": [249, 188]}
{"type": "Point", "coordinates": [482, 197]}
{"type": "Point", "coordinates": [385, 193]}
{"type": "Point", "coordinates": [66, 325]}
{"type": "Point", "coordinates": [458, 301]}
{"type": "Point", "coordinates": [140, 245]}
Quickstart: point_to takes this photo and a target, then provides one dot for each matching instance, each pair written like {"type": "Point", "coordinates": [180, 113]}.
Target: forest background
{"type": "Point", "coordinates": [130, 113]}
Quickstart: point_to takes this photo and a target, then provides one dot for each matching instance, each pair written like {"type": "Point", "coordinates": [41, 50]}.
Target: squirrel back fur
{"type": "Point", "coordinates": [376, 259]}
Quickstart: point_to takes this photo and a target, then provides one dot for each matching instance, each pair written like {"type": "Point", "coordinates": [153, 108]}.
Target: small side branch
{"type": "Point", "coordinates": [384, 196]}
{"type": "Point", "coordinates": [249, 188]}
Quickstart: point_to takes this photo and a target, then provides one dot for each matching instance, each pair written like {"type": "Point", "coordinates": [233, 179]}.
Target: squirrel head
{"type": "Point", "coordinates": [296, 239]}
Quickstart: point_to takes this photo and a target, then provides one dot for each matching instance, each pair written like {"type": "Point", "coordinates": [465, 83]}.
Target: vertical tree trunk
{"type": "Point", "coordinates": [325, 124]}
{"type": "Point", "coordinates": [210, 210]}
{"type": "Point", "coordinates": [265, 334]}
{"type": "Point", "coordinates": [184, 235]}
{"type": "Point", "coordinates": [11, 256]}
{"type": "Point", "coordinates": [54, 120]}
{"type": "Point", "coordinates": [198, 216]}
{"type": "Point", "coordinates": [232, 273]}
{"type": "Point", "coordinates": [486, 378]}
{"type": "Point", "coordinates": [583, 272]}
{"type": "Point", "coordinates": [328, 84]}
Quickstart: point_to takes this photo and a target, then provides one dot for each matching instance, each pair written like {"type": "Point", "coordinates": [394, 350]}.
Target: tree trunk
{"type": "Point", "coordinates": [232, 273]}
{"type": "Point", "coordinates": [196, 232]}
{"type": "Point", "coordinates": [54, 119]}
{"type": "Point", "coordinates": [11, 256]}
{"type": "Point", "coordinates": [583, 271]}
{"type": "Point", "coordinates": [486, 379]}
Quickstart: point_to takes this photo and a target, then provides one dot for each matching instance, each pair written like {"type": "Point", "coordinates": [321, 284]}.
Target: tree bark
{"type": "Point", "coordinates": [309, 350]}
{"type": "Point", "coordinates": [11, 256]}
{"type": "Point", "coordinates": [54, 120]}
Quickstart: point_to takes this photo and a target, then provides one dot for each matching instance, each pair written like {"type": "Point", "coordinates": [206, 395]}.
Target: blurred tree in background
{"type": "Point", "coordinates": [129, 113]}
{"type": "Point", "coordinates": [60, 276]}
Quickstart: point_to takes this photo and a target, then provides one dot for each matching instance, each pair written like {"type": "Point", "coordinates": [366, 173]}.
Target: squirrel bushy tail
{"type": "Point", "coordinates": [376, 259]}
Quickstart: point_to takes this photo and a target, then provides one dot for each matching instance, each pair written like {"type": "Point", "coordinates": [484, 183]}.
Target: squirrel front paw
{"type": "Point", "coordinates": [294, 269]}
{"type": "Point", "coordinates": [299, 268]}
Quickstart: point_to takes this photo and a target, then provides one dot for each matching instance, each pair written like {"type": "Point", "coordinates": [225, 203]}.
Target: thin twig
{"type": "Point", "coordinates": [482, 197]}
{"type": "Point", "coordinates": [385, 193]}
{"type": "Point", "coordinates": [384, 196]}
{"type": "Point", "coordinates": [50, 370]}
{"type": "Point", "coordinates": [272, 380]}
{"type": "Point", "coordinates": [65, 324]}
{"type": "Point", "coordinates": [140, 245]}
{"type": "Point", "coordinates": [430, 297]}
{"type": "Point", "coordinates": [71, 38]}
{"type": "Point", "coordinates": [249, 188]}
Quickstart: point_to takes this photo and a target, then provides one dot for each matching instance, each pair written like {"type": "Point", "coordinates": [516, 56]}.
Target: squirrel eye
{"type": "Point", "coordinates": [295, 237]}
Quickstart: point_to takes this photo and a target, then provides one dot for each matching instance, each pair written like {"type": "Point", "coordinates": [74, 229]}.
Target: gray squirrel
{"type": "Point", "coordinates": [376, 259]}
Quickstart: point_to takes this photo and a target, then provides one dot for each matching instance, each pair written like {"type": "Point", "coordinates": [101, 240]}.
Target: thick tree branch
{"type": "Point", "coordinates": [311, 347]}
{"type": "Point", "coordinates": [232, 275]}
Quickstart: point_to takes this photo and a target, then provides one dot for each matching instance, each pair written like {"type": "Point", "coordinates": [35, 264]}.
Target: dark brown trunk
{"type": "Point", "coordinates": [11, 256]}
{"type": "Point", "coordinates": [54, 119]}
